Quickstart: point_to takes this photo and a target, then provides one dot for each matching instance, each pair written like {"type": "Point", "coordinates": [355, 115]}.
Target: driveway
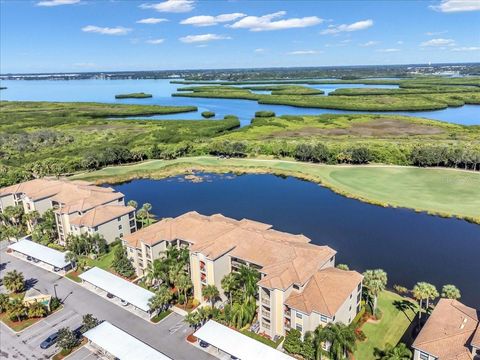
{"type": "Point", "coordinates": [168, 336]}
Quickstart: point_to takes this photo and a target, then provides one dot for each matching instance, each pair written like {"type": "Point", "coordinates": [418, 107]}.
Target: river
{"type": "Point", "coordinates": [105, 91]}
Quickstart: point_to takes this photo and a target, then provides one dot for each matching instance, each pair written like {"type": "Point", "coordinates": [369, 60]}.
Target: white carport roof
{"type": "Point", "coordinates": [236, 344]}
{"type": "Point", "coordinates": [121, 344]}
{"type": "Point", "coordinates": [43, 253]}
{"type": "Point", "coordinates": [121, 288]}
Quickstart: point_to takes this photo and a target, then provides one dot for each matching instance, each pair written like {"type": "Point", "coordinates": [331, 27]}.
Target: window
{"type": "Point", "coordinates": [351, 296]}
{"type": "Point", "coordinates": [95, 228]}
{"type": "Point", "coordinates": [121, 235]}
{"type": "Point", "coordinates": [323, 318]}
{"type": "Point", "coordinates": [119, 219]}
{"type": "Point", "coordinates": [119, 227]}
{"type": "Point", "coordinates": [350, 308]}
{"type": "Point", "coordinates": [298, 315]}
{"type": "Point", "coordinates": [359, 296]}
{"type": "Point", "coordinates": [296, 287]}
{"type": "Point", "coordinates": [359, 287]}
{"type": "Point", "coordinates": [298, 327]}
{"type": "Point", "coordinates": [424, 356]}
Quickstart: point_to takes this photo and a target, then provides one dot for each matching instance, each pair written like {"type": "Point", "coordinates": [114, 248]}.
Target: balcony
{"type": "Point", "coordinates": [203, 266]}
{"type": "Point", "coordinates": [265, 300]}
{"type": "Point", "coordinates": [266, 314]}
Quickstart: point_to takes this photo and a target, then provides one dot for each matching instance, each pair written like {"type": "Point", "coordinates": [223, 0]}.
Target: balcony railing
{"type": "Point", "coordinates": [266, 300]}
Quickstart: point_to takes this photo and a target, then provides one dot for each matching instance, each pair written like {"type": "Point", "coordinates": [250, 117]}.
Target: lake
{"type": "Point", "coordinates": [409, 246]}
{"type": "Point", "coordinates": [105, 91]}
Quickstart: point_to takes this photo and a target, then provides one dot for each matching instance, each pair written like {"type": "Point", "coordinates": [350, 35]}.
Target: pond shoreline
{"type": "Point", "coordinates": [187, 166]}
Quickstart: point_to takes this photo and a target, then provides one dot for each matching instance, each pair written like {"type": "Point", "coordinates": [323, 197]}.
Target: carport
{"type": "Point", "coordinates": [229, 342]}
{"type": "Point", "coordinates": [48, 258]}
{"type": "Point", "coordinates": [116, 343]}
{"type": "Point", "coordinates": [125, 290]}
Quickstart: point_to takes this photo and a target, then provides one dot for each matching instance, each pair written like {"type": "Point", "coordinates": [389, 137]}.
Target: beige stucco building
{"type": "Point", "coordinates": [452, 332]}
{"type": "Point", "coordinates": [294, 273]}
{"type": "Point", "coordinates": [80, 207]}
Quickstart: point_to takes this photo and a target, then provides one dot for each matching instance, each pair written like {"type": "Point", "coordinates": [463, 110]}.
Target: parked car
{"type": "Point", "coordinates": [35, 260]}
{"type": "Point", "coordinates": [78, 332]}
{"type": "Point", "coordinates": [29, 258]}
{"type": "Point", "coordinates": [49, 341]}
{"type": "Point", "coordinates": [204, 344]}
{"type": "Point", "coordinates": [110, 296]}
{"type": "Point", "coordinates": [56, 269]}
{"type": "Point", "coordinates": [123, 302]}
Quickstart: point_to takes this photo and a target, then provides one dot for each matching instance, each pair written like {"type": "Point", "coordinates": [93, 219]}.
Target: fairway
{"type": "Point", "coordinates": [446, 192]}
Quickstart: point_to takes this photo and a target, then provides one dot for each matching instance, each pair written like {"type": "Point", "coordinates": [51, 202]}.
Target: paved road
{"type": "Point", "coordinates": [168, 336]}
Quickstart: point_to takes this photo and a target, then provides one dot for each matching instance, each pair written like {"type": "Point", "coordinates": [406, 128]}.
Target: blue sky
{"type": "Point", "coordinates": [111, 35]}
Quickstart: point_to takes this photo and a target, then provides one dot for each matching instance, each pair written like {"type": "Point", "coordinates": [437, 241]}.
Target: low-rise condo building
{"type": "Point", "coordinates": [452, 332]}
{"type": "Point", "coordinates": [294, 273]}
{"type": "Point", "coordinates": [80, 207]}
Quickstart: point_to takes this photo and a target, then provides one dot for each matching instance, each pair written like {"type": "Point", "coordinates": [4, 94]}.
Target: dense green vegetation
{"type": "Point", "coordinates": [208, 114]}
{"type": "Point", "coordinates": [286, 89]}
{"type": "Point", "coordinates": [38, 138]}
{"type": "Point", "coordinates": [264, 114]}
{"type": "Point", "coordinates": [405, 91]}
{"type": "Point", "coordinates": [384, 100]}
{"type": "Point", "coordinates": [441, 191]}
{"type": "Point", "coordinates": [140, 95]}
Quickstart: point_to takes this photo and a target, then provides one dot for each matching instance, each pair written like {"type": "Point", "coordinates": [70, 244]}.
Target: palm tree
{"type": "Point", "coordinates": [243, 313]}
{"type": "Point", "coordinates": [432, 293]}
{"type": "Point", "coordinates": [4, 300]}
{"type": "Point", "coordinates": [184, 284]}
{"type": "Point", "coordinates": [32, 218]}
{"type": "Point", "coordinates": [16, 309]}
{"type": "Point", "coordinates": [343, 267]}
{"type": "Point", "coordinates": [229, 285]}
{"type": "Point", "coordinates": [340, 337]}
{"type": "Point", "coordinates": [14, 281]}
{"type": "Point", "coordinates": [72, 258]}
{"type": "Point", "coordinates": [399, 352]}
{"type": "Point", "coordinates": [146, 208]}
{"type": "Point", "coordinates": [450, 292]}
{"type": "Point", "coordinates": [133, 204]}
{"type": "Point", "coordinates": [193, 319]}
{"type": "Point", "coordinates": [375, 282]}
{"type": "Point", "coordinates": [158, 272]}
{"type": "Point", "coordinates": [211, 293]}
{"type": "Point", "coordinates": [161, 299]}
{"type": "Point", "coordinates": [36, 310]}
{"type": "Point", "coordinates": [420, 292]}
{"type": "Point", "coordinates": [248, 278]}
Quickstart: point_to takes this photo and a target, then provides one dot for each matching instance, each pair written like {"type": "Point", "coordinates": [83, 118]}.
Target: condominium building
{"type": "Point", "coordinates": [299, 286]}
{"type": "Point", "coordinates": [79, 207]}
{"type": "Point", "coordinates": [452, 332]}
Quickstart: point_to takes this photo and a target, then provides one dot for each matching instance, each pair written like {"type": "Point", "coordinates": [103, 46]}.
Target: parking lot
{"type": "Point", "coordinates": [168, 336]}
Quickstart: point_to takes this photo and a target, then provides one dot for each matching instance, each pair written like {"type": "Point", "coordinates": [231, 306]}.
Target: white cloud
{"type": "Point", "coordinates": [303, 52]}
{"type": "Point", "coordinates": [433, 33]}
{"type": "Point", "coordinates": [467, 48]}
{"type": "Point", "coordinates": [359, 25]}
{"type": "Point", "coordinates": [438, 42]}
{"type": "Point", "coordinates": [259, 50]}
{"type": "Point", "coordinates": [171, 6]}
{"type": "Point", "coordinates": [400, 42]}
{"type": "Point", "coordinates": [155, 41]}
{"type": "Point", "coordinates": [207, 20]}
{"type": "Point", "coordinates": [389, 50]}
{"type": "Point", "coordinates": [203, 38]}
{"type": "Point", "coordinates": [266, 23]}
{"type": "Point", "coordinates": [151, 21]}
{"type": "Point", "coordinates": [449, 6]}
{"type": "Point", "coordinates": [50, 3]}
{"type": "Point", "coordinates": [119, 30]}
{"type": "Point", "coordinates": [369, 43]}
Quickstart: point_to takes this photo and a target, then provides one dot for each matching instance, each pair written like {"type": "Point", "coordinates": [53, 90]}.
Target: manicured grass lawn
{"type": "Point", "coordinates": [443, 191]}
{"type": "Point", "coordinates": [264, 340]}
{"type": "Point", "coordinates": [105, 261]}
{"type": "Point", "coordinates": [161, 316]}
{"type": "Point", "coordinates": [390, 328]}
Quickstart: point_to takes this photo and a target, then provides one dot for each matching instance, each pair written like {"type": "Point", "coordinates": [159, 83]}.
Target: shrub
{"type": "Point", "coordinates": [208, 114]}
{"type": "Point", "coordinates": [293, 342]}
{"type": "Point", "coordinates": [378, 314]}
{"type": "Point", "coordinates": [55, 303]}
{"type": "Point", "coordinates": [264, 114]}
